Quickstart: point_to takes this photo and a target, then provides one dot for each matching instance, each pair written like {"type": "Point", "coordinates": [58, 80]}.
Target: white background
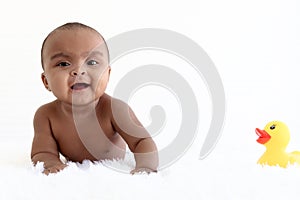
{"type": "Point", "coordinates": [255, 46]}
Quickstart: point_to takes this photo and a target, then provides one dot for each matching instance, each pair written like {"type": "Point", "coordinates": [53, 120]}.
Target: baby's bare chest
{"type": "Point", "coordinates": [85, 139]}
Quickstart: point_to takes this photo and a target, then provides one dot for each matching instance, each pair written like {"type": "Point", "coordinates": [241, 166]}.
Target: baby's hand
{"type": "Point", "coordinates": [142, 170]}
{"type": "Point", "coordinates": [54, 169]}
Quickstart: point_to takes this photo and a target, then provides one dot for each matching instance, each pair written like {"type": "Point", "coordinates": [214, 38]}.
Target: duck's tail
{"type": "Point", "coordinates": [295, 155]}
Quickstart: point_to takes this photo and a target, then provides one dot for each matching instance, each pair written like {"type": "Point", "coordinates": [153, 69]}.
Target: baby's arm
{"type": "Point", "coordinates": [136, 136]}
{"type": "Point", "coordinates": [145, 153]}
{"type": "Point", "coordinates": [44, 147]}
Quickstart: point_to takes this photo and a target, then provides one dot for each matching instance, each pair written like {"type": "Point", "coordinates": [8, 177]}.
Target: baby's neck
{"type": "Point", "coordinates": [78, 110]}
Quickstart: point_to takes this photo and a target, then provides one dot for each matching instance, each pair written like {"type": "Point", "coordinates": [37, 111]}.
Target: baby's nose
{"type": "Point", "coordinates": [77, 72]}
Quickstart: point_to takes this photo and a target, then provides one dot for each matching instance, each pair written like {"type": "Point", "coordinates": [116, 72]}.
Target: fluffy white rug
{"type": "Point", "coordinates": [217, 177]}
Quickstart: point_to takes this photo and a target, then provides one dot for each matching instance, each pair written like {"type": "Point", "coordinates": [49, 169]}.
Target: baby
{"type": "Point", "coordinates": [84, 123]}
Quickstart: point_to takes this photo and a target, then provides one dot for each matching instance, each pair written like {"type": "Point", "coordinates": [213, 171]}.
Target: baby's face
{"type": "Point", "coordinates": [76, 66]}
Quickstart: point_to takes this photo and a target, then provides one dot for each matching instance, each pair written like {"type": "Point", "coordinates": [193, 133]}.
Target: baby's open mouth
{"type": "Point", "coordinates": [79, 86]}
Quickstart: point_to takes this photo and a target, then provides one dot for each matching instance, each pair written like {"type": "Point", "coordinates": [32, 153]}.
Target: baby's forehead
{"type": "Point", "coordinates": [61, 34]}
{"type": "Point", "coordinates": [64, 32]}
{"type": "Point", "coordinates": [72, 36]}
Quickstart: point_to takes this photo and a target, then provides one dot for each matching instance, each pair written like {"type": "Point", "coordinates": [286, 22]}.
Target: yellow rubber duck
{"type": "Point", "coordinates": [275, 137]}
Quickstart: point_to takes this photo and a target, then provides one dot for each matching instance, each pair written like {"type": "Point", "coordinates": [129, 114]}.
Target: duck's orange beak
{"type": "Point", "coordinates": [263, 136]}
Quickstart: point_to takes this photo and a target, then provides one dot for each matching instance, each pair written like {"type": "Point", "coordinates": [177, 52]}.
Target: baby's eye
{"type": "Point", "coordinates": [92, 62]}
{"type": "Point", "coordinates": [63, 64]}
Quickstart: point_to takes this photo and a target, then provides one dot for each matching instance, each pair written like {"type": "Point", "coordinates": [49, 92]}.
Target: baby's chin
{"type": "Point", "coordinates": [87, 97]}
{"type": "Point", "coordinates": [84, 100]}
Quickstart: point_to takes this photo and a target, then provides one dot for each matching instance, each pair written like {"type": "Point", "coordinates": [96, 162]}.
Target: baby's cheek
{"type": "Point", "coordinates": [102, 85]}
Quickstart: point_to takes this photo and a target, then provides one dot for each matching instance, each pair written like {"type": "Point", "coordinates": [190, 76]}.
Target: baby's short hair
{"type": "Point", "coordinates": [71, 26]}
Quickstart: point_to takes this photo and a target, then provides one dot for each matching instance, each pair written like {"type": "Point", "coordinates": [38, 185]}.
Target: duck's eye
{"type": "Point", "coordinates": [272, 127]}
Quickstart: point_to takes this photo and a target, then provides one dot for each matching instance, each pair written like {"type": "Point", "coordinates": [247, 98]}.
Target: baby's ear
{"type": "Point", "coordinates": [109, 69]}
{"type": "Point", "coordinates": [45, 81]}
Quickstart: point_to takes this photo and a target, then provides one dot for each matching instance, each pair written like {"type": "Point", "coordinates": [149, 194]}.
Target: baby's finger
{"type": "Point", "coordinates": [142, 170]}
{"type": "Point", "coordinates": [46, 172]}
{"type": "Point", "coordinates": [50, 170]}
{"type": "Point", "coordinates": [54, 169]}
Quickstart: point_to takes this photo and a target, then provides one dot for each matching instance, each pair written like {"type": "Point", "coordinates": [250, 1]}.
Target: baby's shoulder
{"type": "Point", "coordinates": [46, 109]}
{"type": "Point", "coordinates": [109, 102]}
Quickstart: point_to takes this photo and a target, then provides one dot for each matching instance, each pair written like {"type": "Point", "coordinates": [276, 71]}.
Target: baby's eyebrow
{"type": "Point", "coordinates": [59, 55]}
{"type": "Point", "coordinates": [85, 54]}
{"type": "Point", "coordinates": [92, 53]}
